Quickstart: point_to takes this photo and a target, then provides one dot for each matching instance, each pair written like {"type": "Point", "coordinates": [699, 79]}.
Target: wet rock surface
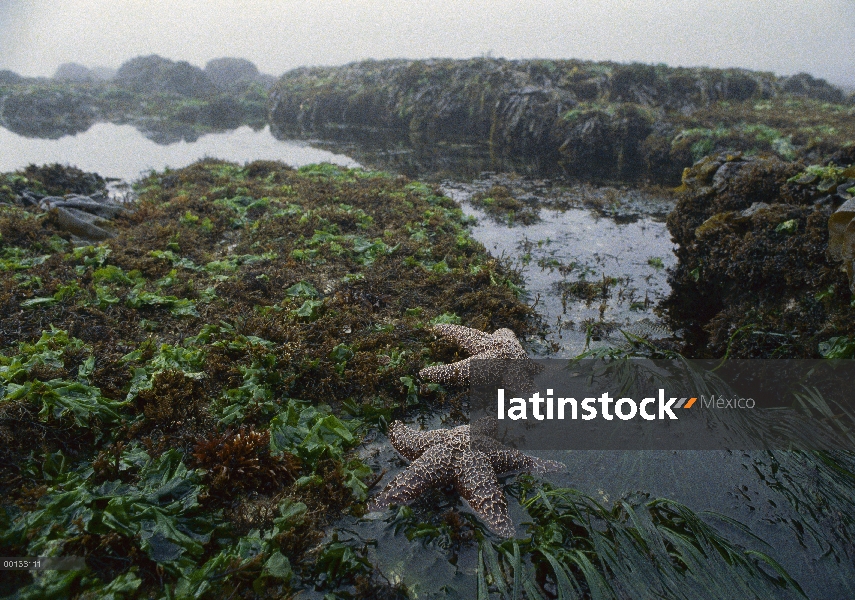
{"type": "Point", "coordinates": [755, 277]}
{"type": "Point", "coordinates": [74, 202]}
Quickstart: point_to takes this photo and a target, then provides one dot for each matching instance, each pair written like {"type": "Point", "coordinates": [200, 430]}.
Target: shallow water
{"type": "Point", "coordinates": [581, 245]}
{"type": "Point", "coordinates": [123, 152]}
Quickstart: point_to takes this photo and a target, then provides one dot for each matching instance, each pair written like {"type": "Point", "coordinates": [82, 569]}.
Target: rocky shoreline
{"type": "Point", "coordinates": [167, 100]}
{"type": "Point", "coordinates": [211, 375]}
{"type": "Point", "coordinates": [605, 120]}
{"type": "Point", "coordinates": [199, 373]}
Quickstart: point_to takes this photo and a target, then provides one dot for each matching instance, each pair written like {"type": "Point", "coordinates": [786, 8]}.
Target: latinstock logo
{"type": "Point", "coordinates": [552, 408]}
{"type": "Point", "coordinates": [667, 404]}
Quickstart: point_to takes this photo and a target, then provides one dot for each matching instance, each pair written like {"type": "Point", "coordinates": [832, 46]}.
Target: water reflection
{"type": "Point", "coordinates": [431, 159]}
{"type": "Point", "coordinates": [124, 152]}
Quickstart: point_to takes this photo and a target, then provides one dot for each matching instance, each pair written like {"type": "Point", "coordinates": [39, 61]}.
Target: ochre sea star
{"type": "Point", "coordinates": [470, 459]}
{"type": "Point", "coordinates": [500, 345]}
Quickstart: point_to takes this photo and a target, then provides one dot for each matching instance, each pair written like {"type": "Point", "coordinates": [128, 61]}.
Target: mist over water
{"type": "Point", "coordinates": [786, 36]}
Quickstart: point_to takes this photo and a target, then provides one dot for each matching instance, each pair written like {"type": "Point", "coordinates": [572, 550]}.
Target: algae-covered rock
{"type": "Point", "coordinates": [596, 119]}
{"type": "Point", "coordinates": [48, 112]}
{"type": "Point", "coordinates": [605, 143]}
{"type": "Point", "coordinates": [804, 84]}
{"type": "Point", "coordinates": [75, 202]}
{"type": "Point", "coordinates": [755, 276]}
{"type": "Point", "coordinates": [838, 224]}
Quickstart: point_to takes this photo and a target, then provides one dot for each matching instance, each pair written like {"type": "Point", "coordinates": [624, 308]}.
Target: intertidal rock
{"type": "Point", "coordinates": [601, 119]}
{"type": "Point", "coordinates": [76, 202]}
{"type": "Point", "coordinates": [757, 274]}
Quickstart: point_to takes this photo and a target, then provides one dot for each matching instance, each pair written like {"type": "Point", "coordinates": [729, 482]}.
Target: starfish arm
{"type": "Point", "coordinates": [452, 374]}
{"type": "Point", "coordinates": [505, 460]}
{"type": "Point", "coordinates": [484, 427]}
{"type": "Point", "coordinates": [506, 340]}
{"type": "Point", "coordinates": [476, 482]}
{"type": "Point", "coordinates": [471, 340]}
{"type": "Point", "coordinates": [410, 443]}
{"type": "Point", "coordinates": [517, 376]}
{"type": "Point", "coordinates": [432, 469]}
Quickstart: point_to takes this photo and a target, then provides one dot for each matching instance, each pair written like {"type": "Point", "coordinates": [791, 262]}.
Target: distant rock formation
{"type": "Point", "coordinates": [47, 114]}
{"type": "Point", "coordinates": [103, 73]}
{"type": "Point", "coordinates": [803, 84]}
{"type": "Point", "coordinates": [229, 74]}
{"type": "Point", "coordinates": [74, 72]}
{"type": "Point", "coordinates": [154, 73]}
{"type": "Point", "coordinates": [9, 77]}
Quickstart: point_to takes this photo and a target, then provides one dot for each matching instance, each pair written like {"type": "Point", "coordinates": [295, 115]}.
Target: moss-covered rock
{"type": "Point", "coordinates": [754, 276]}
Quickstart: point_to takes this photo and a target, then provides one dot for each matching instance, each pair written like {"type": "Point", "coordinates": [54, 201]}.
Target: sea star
{"type": "Point", "coordinates": [468, 458]}
{"type": "Point", "coordinates": [501, 344]}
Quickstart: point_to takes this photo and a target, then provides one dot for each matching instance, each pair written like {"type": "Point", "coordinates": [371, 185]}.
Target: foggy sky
{"type": "Point", "coordinates": [784, 36]}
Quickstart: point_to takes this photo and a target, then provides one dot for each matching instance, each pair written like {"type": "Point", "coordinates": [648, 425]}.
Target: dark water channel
{"type": "Point", "coordinates": [609, 240]}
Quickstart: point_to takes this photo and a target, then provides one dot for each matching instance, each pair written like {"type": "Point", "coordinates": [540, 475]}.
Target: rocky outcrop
{"type": "Point", "coordinates": [157, 74]}
{"type": "Point", "coordinates": [236, 74]}
{"type": "Point", "coordinates": [803, 84]}
{"type": "Point", "coordinates": [74, 72]}
{"type": "Point", "coordinates": [8, 77]}
{"type": "Point", "coordinates": [595, 119]}
{"type": "Point", "coordinates": [76, 202]}
{"type": "Point", "coordinates": [47, 113]}
{"type": "Point", "coordinates": [755, 277]}
{"type": "Point", "coordinates": [168, 101]}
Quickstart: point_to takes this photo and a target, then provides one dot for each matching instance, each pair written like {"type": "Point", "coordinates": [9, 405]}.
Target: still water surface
{"type": "Point", "coordinates": [123, 152]}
